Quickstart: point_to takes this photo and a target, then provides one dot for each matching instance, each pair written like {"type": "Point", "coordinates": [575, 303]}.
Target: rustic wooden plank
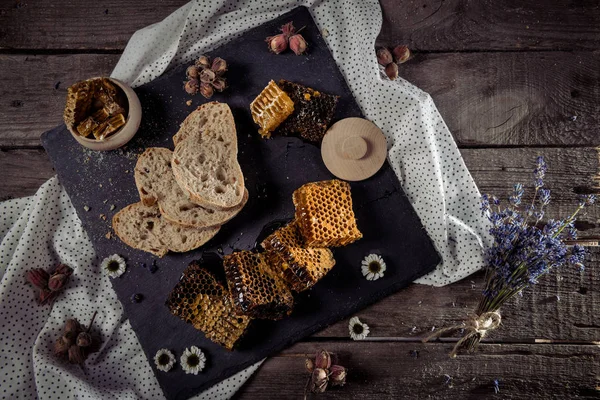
{"type": "Point", "coordinates": [69, 24]}
{"type": "Point", "coordinates": [505, 98]}
{"type": "Point", "coordinates": [448, 25]}
{"type": "Point", "coordinates": [414, 311]}
{"type": "Point", "coordinates": [33, 90]}
{"type": "Point", "coordinates": [416, 371]}
{"type": "Point", "coordinates": [545, 98]}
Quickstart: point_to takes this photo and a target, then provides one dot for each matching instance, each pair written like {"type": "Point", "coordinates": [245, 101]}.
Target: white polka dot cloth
{"type": "Point", "coordinates": [43, 230]}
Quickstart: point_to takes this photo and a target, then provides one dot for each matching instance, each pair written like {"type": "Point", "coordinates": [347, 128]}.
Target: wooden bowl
{"type": "Point", "coordinates": [126, 132]}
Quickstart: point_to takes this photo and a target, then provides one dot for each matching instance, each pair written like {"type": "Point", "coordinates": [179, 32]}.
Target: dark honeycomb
{"type": "Point", "coordinates": [324, 214]}
{"type": "Point", "coordinates": [300, 267]}
{"type": "Point", "coordinates": [313, 111]}
{"type": "Point", "coordinates": [256, 290]}
{"type": "Point", "coordinates": [199, 299]}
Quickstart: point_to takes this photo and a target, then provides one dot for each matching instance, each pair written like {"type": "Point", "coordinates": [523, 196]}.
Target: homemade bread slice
{"type": "Point", "coordinates": [205, 165]}
{"type": "Point", "coordinates": [156, 184]}
{"type": "Point", "coordinates": [143, 228]}
{"type": "Point", "coordinates": [211, 118]}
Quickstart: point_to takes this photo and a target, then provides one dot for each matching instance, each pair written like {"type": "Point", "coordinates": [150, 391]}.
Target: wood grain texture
{"type": "Point", "coordinates": [449, 25]}
{"type": "Point", "coordinates": [522, 99]}
{"type": "Point", "coordinates": [71, 24]}
{"type": "Point", "coordinates": [33, 91]}
{"type": "Point", "coordinates": [528, 99]}
{"type": "Point", "coordinates": [24, 172]}
{"type": "Point", "coordinates": [417, 371]}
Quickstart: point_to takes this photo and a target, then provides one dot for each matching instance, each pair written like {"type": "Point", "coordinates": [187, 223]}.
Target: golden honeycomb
{"type": "Point", "coordinates": [270, 108]}
{"type": "Point", "coordinates": [202, 301]}
{"type": "Point", "coordinates": [324, 214]}
{"type": "Point", "coordinates": [313, 111]}
{"type": "Point", "coordinates": [256, 290]}
{"type": "Point", "coordinates": [299, 267]}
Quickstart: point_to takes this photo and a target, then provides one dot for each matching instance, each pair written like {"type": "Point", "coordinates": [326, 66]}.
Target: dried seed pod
{"type": "Point", "coordinates": [337, 375]}
{"type": "Point", "coordinates": [57, 282]}
{"type": "Point", "coordinates": [319, 380]}
{"type": "Point", "coordinates": [219, 66]}
{"type": "Point", "coordinates": [47, 296]}
{"type": "Point", "coordinates": [323, 359]}
{"type": "Point", "coordinates": [207, 76]}
{"type": "Point", "coordinates": [72, 325]}
{"type": "Point", "coordinates": [61, 347]}
{"type": "Point", "coordinates": [203, 62]}
{"type": "Point", "coordinates": [38, 278]}
{"type": "Point", "coordinates": [401, 54]}
{"type": "Point", "coordinates": [76, 355]}
{"type": "Point", "coordinates": [191, 72]}
{"type": "Point", "coordinates": [309, 364]}
{"type": "Point", "coordinates": [63, 269]}
{"type": "Point", "coordinates": [384, 57]}
{"type": "Point", "coordinates": [84, 339]}
{"type": "Point", "coordinates": [191, 86]}
{"type": "Point", "coordinates": [298, 44]}
{"type": "Point", "coordinates": [206, 90]}
{"type": "Point", "coordinates": [219, 84]}
{"type": "Point", "coordinates": [277, 43]}
{"type": "Point", "coordinates": [392, 71]}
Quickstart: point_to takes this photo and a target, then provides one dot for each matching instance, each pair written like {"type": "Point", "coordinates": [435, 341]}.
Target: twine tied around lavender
{"type": "Point", "coordinates": [476, 326]}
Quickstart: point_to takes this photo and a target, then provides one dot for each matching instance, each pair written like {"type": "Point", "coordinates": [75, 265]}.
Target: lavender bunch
{"type": "Point", "coordinates": [521, 253]}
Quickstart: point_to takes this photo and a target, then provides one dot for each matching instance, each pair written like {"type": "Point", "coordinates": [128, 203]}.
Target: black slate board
{"type": "Point", "coordinates": [273, 170]}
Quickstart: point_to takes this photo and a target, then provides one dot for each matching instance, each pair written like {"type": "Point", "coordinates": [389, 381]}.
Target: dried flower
{"type": "Point", "coordinates": [47, 296]}
{"type": "Point", "coordinates": [114, 266]}
{"type": "Point", "coordinates": [76, 355]}
{"type": "Point", "coordinates": [277, 43]}
{"type": "Point", "coordinates": [401, 54]}
{"type": "Point", "coordinates": [203, 62]}
{"type": "Point", "coordinates": [391, 70]}
{"type": "Point", "coordinates": [193, 360]}
{"type": "Point", "coordinates": [297, 44]}
{"type": "Point", "coordinates": [373, 267]}
{"type": "Point", "coordinates": [219, 66]}
{"type": "Point", "coordinates": [384, 57]}
{"type": "Point", "coordinates": [72, 325]}
{"type": "Point", "coordinates": [309, 364]}
{"type": "Point", "coordinates": [57, 282]}
{"type": "Point", "coordinates": [207, 76]}
{"type": "Point", "coordinates": [206, 90]}
{"type": "Point", "coordinates": [319, 380]}
{"type": "Point", "coordinates": [191, 86]}
{"type": "Point", "coordinates": [288, 29]}
{"type": "Point", "coordinates": [38, 277]}
{"type": "Point", "coordinates": [323, 359]}
{"type": "Point", "coordinates": [219, 84]}
{"type": "Point", "coordinates": [192, 72]}
{"type": "Point", "coordinates": [337, 375]}
{"type": "Point", "coordinates": [358, 330]}
{"type": "Point", "coordinates": [164, 360]}
{"type": "Point", "coordinates": [61, 347]}
{"type": "Point", "coordinates": [84, 339]}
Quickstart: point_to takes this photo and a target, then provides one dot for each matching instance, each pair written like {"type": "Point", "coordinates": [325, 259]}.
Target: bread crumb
{"type": "Point", "coordinates": [104, 202]}
{"type": "Point", "coordinates": [86, 208]}
{"type": "Point", "coordinates": [108, 235]}
{"type": "Point", "coordinates": [100, 185]}
{"type": "Point", "coordinates": [112, 207]}
{"type": "Point", "coordinates": [189, 103]}
{"type": "Point", "coordinates": [126, 171]}
{"type": "Point", "coordinates": [103, 217]}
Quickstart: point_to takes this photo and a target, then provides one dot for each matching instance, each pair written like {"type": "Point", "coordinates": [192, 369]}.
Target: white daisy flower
{"type": "Point", "coordinates": [193, 360]}
{"type": "Point", "coordinates": [373, 267]}
{"type": "Point", "coordinates": [164, 360]}
{"type": "Point", "coordinates": [114, 266]}
{"type": "Point", "coordinates": [358, 330]}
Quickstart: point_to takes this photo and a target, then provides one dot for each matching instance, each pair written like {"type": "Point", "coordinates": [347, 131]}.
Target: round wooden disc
{"type": "Point", "coordinates": [354, 149]}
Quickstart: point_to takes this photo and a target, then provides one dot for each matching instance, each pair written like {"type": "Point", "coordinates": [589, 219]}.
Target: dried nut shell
{"type": "Point", "coordinates": [61, 347]}
{"type": "Point", "coordinates": [219, 66]}
{"type": "Point", "coordinates": [384, 57]}
{"type": "Point", "coordinates": [401, 54]}
{"type": "Point", "coordinates": [207, 76]}
{"type": "Point", "coordinates": [192, 72]}
{"type": "Point", "coordinates": [392, 71]}
{"type": "Point", "coordinates": [76, 355]}
{"type": "Point", "coordinates": [206, 90]}
{"type": "Point", "coordinates": [203, 62]}
{"type": "Point", "coordinates": [84, 339]}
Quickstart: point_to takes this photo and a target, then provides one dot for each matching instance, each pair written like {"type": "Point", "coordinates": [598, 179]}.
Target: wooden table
{"type": "Point", "coordinates": [513, 79]}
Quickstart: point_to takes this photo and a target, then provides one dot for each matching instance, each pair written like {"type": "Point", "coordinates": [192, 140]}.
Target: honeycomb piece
{"type": "Point", "coordinates": [199, 299]}
{"type": "Point", "coordinates": [313, 111]}
{"type": "Point", "coordinates": [79, 102]}
{"type": "Point", "coordinates": [270, 108]}
{"type": "Point", "coordinates": [86, 126]}
{"type": "Point", "coordinates": [324, 214]}
{"type": "Point", "coordinates": [299, 267]}
{"type": "Point", "coordinates": [256, 290]}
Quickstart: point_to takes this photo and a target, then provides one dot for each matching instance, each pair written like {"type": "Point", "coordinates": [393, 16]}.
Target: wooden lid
{"type": "Point", "coordinates": [354, 149]}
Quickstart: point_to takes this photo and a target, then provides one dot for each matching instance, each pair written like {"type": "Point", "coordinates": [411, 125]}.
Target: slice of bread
{"type": "Point", "coordinates": [156, 184]}
{"type": "Point", "coordinates": [205, 163]}
{"type": "Point", "coordinates": [143, 228]}
{"type": "Point", "coordinates": [214, 118]}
